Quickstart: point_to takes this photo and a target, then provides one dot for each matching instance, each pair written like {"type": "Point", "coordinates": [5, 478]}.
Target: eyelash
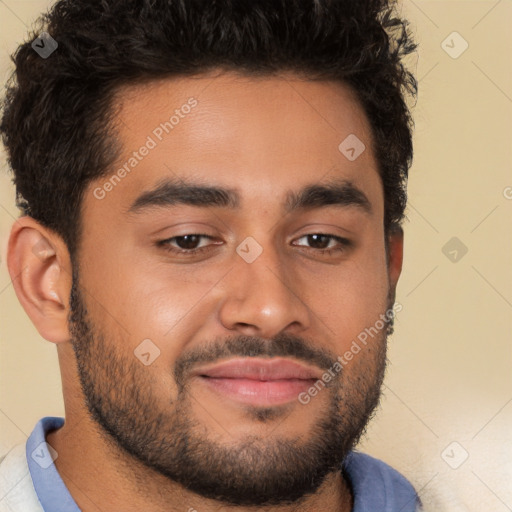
{"type": "Point", "coordinates": [343, 244]}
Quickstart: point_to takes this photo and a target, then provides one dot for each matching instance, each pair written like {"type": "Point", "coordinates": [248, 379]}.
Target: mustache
{"type": "Point", "coordinates": [282, 345]}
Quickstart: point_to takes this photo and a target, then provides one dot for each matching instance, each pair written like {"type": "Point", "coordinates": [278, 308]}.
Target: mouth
{"type": "Point", "coordinates": [258, 381]}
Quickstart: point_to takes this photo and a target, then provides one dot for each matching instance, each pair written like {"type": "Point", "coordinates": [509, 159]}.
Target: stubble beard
{"type": "Point", "coordinates": [273, 470]}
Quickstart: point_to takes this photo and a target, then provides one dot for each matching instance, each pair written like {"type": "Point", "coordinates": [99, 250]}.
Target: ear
{"type": "Point", "coordinates": [395, 254]}
{"type": "Point", "coordinates": [40, 269]}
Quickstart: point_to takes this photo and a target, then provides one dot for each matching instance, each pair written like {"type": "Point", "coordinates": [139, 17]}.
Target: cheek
{"type": "Point", "coordinates": [145, 298]}
{"type": "Point", "coordinates": [351, 298]}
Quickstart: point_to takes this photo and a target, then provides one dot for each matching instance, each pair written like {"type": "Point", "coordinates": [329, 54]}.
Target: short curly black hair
{"type": "Point", "coordinates": [57, 112]}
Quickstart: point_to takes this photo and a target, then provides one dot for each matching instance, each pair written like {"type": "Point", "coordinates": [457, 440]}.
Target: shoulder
{"type": "Point", "coordinates": [377, 486]}
{"type": "Point", "coordinates": [17, 491]}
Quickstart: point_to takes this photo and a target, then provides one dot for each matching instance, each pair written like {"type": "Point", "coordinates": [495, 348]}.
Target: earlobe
{"type": "Point", "coordinates": [40, 270]}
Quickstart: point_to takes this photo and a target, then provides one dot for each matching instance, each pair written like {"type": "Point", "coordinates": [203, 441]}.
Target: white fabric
{"type": "Point", "coordinates": [17, 493]}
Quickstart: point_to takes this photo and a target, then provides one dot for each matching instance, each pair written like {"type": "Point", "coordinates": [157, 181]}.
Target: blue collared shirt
{"type": "Point", "coordinates": [376, 486]}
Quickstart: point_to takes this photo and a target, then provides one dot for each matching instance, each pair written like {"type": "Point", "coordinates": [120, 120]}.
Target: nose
{"type": "Point", "coordinates": [262, 298]}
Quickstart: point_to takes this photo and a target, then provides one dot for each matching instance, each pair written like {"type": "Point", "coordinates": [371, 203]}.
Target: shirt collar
{"type": "Point", "coordinates": [50, 488]}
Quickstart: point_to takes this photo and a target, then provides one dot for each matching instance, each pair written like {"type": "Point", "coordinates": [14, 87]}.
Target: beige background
{"type": "Point", "coordinates": [450, 376]}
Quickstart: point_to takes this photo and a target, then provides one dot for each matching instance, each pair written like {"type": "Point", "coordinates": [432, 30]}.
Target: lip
{"type": "Point", "coordinates": [259, 381]}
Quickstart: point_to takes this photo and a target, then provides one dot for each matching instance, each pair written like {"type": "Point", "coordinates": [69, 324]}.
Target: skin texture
{"type": "Point", "coordinates": [264, 137]}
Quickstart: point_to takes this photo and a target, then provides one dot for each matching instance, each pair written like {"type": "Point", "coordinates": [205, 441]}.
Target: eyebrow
{"type": "Point", "coordinates": [172, 192]}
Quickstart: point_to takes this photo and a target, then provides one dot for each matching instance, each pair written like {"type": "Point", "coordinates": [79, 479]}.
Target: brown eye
{"type": "Point", "coordinates": [324, 242]}
{"type": "Point", "coordinates": [187, 241]}
{"type": "Point", "coordinates": [191, 243]}
{"type": "Point", "coordinates": [319, 241]}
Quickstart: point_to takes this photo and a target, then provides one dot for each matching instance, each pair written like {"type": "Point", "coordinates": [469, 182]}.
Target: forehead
{"type": "Point", "coordinates": [260, 135]}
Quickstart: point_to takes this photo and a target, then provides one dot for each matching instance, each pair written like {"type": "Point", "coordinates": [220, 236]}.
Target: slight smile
{"type": "Point", "coordinates": [259, 381]}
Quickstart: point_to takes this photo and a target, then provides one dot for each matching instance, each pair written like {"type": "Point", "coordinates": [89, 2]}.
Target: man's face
{"type": "Point", "coordinates": [198, 354]}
